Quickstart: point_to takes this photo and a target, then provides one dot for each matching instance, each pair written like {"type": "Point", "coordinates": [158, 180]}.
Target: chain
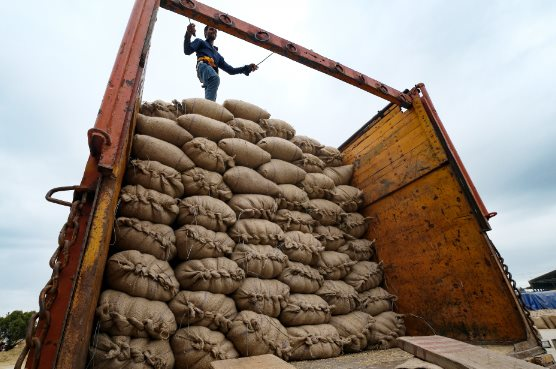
{"type": "Point", "coordinates": [57, 262]}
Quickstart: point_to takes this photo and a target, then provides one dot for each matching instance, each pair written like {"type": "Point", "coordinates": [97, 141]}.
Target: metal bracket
{"type": "Point", "coordinates": [77, 188]}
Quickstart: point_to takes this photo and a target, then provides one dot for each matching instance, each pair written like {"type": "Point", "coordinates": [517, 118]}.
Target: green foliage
{"type": "Point", "coordinates": [13, 327]}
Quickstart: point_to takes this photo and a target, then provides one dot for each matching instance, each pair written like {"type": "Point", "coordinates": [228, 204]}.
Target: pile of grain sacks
{"type": "Point", "coordinates": [235, 237]}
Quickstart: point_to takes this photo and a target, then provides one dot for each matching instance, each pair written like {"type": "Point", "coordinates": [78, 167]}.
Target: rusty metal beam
{"type": "Point", "coordinates": [258, 36]}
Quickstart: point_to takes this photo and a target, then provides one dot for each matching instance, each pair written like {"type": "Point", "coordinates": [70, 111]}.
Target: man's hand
{"type": "Point", "coordinates": [190, 30]}
{"type": "Point", "coordinates": [253, 67]}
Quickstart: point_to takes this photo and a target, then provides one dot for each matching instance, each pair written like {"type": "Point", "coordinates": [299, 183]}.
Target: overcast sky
{"type": "Point", "coordinates": [489, 67]}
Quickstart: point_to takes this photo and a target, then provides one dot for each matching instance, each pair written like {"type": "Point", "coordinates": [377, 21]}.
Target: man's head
{"type": "Point", "coordinates": [210, 33]}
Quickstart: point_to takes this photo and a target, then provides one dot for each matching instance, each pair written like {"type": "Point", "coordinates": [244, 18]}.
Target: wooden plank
{"type": "Point", "coordinates": [253, 362]}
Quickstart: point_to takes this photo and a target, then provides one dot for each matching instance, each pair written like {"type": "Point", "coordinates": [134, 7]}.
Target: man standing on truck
{"type": "Point", "coordinates": [209, 60]}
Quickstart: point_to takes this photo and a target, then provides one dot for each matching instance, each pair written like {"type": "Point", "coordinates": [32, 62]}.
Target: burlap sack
{"type": "Point", "coordinates": [248, 181]}
{"type": "Point", "coordinates": [263, 296]}
{"type": "Point", "coordinates": [330, 237]}
{"type": "Point", "coordinates": [281, 149]}
{"type": "Point", "coordinates": [340, 175]}
{"type": "Point", "coordinates": [316, 185]}
{"type": "Point", "coordinates": [201, 126]}
{"type": "Point", "coordinates": [282, 172]}
{"type": "Point", "coordinates": [538, 321]}
{"type": "Point", "coordinates": [163, 129]}
{"type": "Point", "coordinates": [301, 247]}
{"type": "Point", "coordinates": [261, 261]}
{"type": "Point", "coordinates": [302, 309]}
{"type": "Point", "coordinates": [387, 328]}
{"type": "Point", "coordinates": [253, 206]}
{"type": "Point", "coordinates": [292, 197]}
{"type": "Point", "coordinates": [206, 211]}
{"type": "Point", "coordinates": [244, 152]}
{"type": "Point", "coordinates": [550, 321]}
{"type": "Point", "coordinates": [245, 110]}
{"type": "Point", "coordinates": [310, 342]}
{"type": "Point", "coordinates": [141, 203]}
{"type": "Point", "coordinates": [331, 156]}
{"type": "Point", "coordinates": [163, 109]}
{"type": "Point", "coordinates": [358, 250]}
{"type": "Point", "coordinates": [154, 176]}
{"type": "Point", "coordinates": [354, 224]}
{"type": "Point", "coordinates": [291, 220]}
{"type": "Point", "coordinates": [347, 197]}
{"type": "Point", "coordinates": [301, 278]}
{"type": "Point", "coordinates": [247, 130]}
{"type": "Point", "coordinates": [310, 163]}
{"type": "Point", "coordinates": [334, 265]}
{"type": "Point", "coordinates": [197, 242]}
{"type": "Point", "coordinates": [207, 155]}
{"type": "Point", "coordinates": [325, 212]}
{"type": "Point", "coordinates": [256, 232]}
{"type": "Point", "coordinates": [216, 275]}
{"type": "Point", "coordinates": [214, 311]}
{"type": "Point", "coordinates": [123, 352]}
{"type": "Point", "coordinates": [141, 275]}
{"type": "Point", "coordinates": [149, 238]}
{"type": "Point", "coordinates": [258, 334]}
{"type": "Point", "coordinates": [306, 144]}
{"type": "Point", "coordinates": [154, 149]}
{"type": "Point", "coordinates": [355, 328]}
{"type": "Point", "coordinates": [207, 108]}
{"type": "Point", "coordinates": [365, 275]}
{"type": "Point", "coordinates": [199, 181]}
{"type": "Point", "coordinates": [342, 298]}
{"type": "Point", "coordinates": [119, 314]}
{"type": "Point", "coordinates": [197, 347]}
{"type": "Point", "coordinates": [277, 128]}
{"type": "Point", "coordinates": [375, 301]}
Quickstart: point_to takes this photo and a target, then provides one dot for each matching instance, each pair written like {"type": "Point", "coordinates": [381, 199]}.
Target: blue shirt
{"type": "Point", "coordinates": [203, 48]}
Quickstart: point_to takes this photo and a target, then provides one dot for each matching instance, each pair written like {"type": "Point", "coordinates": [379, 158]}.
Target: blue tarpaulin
{"type": "Point", "coordinates": [539, 300]}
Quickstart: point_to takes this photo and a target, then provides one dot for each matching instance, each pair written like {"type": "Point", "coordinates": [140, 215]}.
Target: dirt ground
{"type": "Point", "coordinates": [8, 358]}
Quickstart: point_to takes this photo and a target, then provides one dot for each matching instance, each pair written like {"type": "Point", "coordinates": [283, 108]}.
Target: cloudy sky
{"type": "Point", "coordinates": [489, 67]}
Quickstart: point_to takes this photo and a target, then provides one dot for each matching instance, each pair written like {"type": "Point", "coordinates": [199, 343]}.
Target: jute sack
{"type": "Point", "coordinates": [549, 321]}
{"type": "Point", "coordinates": [387, 328]}
{"type": "Point", "coordinates": [301, 247]}
{"type": "Point", "coordinates": [355, 328]}
{"type": "Point", "coordinates": [538, 321]}
{"type": "Point", "coordinates": [292, 197]}
{"type": "Point", "coordinates": [334, 265]}
{"type": "Point", "coordinates": [325, 212]}
{"type": "Point", "coordinates": [261, 261]}
{"type": "Point", "coordinates": [342, 297]}
{"type": "Point", "coordinates": [291, 220]}
{"type": "Point", "coordinates": [354, 224]}
{"type": "Point", "coordinates": [316, 185]}
{"type": "Point", "coordinates": [347, 197]}
{"type": "Point", "coordinates": [155, 176]}
{"type": "Point", "coordinates": [365, 275]}
{"type": "Point", "coordinates": [207, 108]}
{"type": "Point", "coordinates": [258, 334]}
{"type": "Point", "coordinates": [306, 144]}
{"type": "Point", "coordinates": [264, 296]}
{"type": "Point", "coordinates": [141, 203]}
{"type": "Point", "coordinates": [207, 155]}
{"type": "Point", "coordinates": [277, 128]}
{"type": "Point", "coordinates": [310, 342]}
{"type": "Point", "coordinates": [330, 237]}
{"type": "Point", "coordinates": [216, 275]}
{"type": "Point", "coordinates": [160, 108]}
{"type": "Point", "coordinates": [301, 278]}
{"type": "Point", "coordinates": [340, 175]}
{"type": "Point", "coordinates": [245, 110]}
{"type": "Point", "coordinates": [151, 148]}
{"type": "Point", "coordinates": [375, 301]}
{"type": "Point", "coordinates": [149, 238]}
{"type": "Point", "coordinates": [282, 172]}
{"type": "Point", "coordinates": [141, 275]}
{"type": "Point", "coordinates": [247, 130]}
{"type": "Point", "coordinates": [214, 311]}
{"type": "Point", "coordinates": [199, 181]}
{"type": "Point", "coordinates": [162, 128]}
{"type": "Point", "coordinates": [197, 242]}
{"type": "Point", "coordinates": [331, 156]}
{"type": "Point", "coordinates": [302, 309]}
{"type": "Point", "coordinates": [197, 347]}
{"type": "Point", "coordinates": [123, 352]}
{"type": "Point", "coordinates": [256, 232]}
{"type": "Point", "coordinates": [119, 314]}
{"type": "Point", "coordinates": [244, 152]}
{"type": "Point", "coordinates": [253, 206]}
{"type": "Point", "coordinates": [201, 126]}
{"type": "Point", "coordinates": [280, 148]}
{"type": "Point", "coordinates": [310, 163]}
{"type": "Point", "coordinates": [358, 250]}
{"type": "Point", "coordinates": [243, 180]}
{"type": "Point", "coordinates": [206, 211]}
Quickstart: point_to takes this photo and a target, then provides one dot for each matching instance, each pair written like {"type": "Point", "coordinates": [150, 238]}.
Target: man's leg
{"type": "Point", "coordinates": [210, 79]}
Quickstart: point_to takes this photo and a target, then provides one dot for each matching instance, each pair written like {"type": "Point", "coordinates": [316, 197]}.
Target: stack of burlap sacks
{"type": "Point", "coordinates": [235, 237]}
